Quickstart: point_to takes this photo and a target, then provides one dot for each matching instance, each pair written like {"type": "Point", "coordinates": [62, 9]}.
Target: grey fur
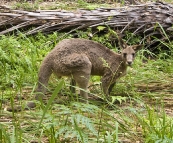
{"type": "Point", "coordinates": [81, 58]}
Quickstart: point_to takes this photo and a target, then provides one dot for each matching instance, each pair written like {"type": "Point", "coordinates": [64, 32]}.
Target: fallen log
{"type": "Point", "coordinates": [147, 20]}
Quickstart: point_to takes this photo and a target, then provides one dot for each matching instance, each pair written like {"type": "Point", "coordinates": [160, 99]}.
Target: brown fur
{"type": "Point", "coordinates": [80, 58]}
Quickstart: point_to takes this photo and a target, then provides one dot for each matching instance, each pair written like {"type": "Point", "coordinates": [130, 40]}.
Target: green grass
{"type": "Point", "coordinates": [139, 117]}
{"type": "Point", "coordinates": [58, 5]}
{"type": "Point", "coordinates": [140, 109]}
{"type": "Point", "coordinates": [71, 5]}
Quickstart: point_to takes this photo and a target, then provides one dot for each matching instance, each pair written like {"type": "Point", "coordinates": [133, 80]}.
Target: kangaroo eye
{"type": "Point", "coordinates": [133, 54]}
{"type": "Point", "coordinates": [124, 54]}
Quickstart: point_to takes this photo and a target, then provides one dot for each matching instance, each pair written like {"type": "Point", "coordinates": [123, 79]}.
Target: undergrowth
{"type": "Point", "coordinates": [126, 118]}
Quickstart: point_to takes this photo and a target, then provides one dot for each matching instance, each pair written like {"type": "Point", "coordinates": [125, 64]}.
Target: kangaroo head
{"type": "Point", "coordinates": [128, 52]}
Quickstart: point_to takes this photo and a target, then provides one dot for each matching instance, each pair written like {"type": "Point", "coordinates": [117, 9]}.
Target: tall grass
{"type": "Point", "coordinates": [132, 120]}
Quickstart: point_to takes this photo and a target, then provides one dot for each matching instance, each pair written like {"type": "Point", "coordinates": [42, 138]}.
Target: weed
{"type": "Point", "coordinates": [135, 119]}
{"type": "Point", "coordinates": [157, 127]}
{"type": "Point", "coordinates": [26, 5]}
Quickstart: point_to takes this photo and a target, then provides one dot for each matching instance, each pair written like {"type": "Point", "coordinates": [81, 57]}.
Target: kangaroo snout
{"type": "Point", "coordinates": [129, 59]}
{"type": "Point", "coordinates": [129, 63]}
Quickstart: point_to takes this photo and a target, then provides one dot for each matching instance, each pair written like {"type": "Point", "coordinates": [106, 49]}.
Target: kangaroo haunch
{"type": "Point", "coordinates": [81, 58]}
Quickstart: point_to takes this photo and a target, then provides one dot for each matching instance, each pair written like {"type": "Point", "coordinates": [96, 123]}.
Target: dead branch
{"type": "Point", "coordinates": [143, 20]}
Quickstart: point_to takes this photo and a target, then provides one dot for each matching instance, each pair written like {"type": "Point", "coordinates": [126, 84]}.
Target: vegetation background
{"type": "Point", "coordinates": [140, 109]}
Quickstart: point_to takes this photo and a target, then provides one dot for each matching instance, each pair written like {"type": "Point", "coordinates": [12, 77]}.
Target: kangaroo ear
{"type": "Point", "coordinates": [137, 47]}
{"type": "Point", "coordinates": [122, 44]}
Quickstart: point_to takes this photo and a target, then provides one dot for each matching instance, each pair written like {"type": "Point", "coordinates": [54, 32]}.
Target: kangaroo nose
{"type": "Point", "coordinates": [129, 63]}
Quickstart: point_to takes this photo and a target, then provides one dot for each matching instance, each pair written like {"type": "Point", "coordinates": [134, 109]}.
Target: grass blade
{"type": "Point", "coordinates": [51, 100]}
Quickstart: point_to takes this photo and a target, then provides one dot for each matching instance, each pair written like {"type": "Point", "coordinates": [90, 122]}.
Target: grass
{"type": "Point", "coordinates": [138, 117]}
{"type": "Point", "coordinates": [67, 5]}
{"type": "Point", "coordinates": [140, 110]}
{"type": "Point", "coordinates": [59, 5]}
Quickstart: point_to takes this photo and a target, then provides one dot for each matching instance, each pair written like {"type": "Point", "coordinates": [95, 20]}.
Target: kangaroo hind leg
{"type": "Point", "coordinates": [80, 66]}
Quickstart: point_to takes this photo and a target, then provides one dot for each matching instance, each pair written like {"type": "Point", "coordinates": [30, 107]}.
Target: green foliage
{"type": "Point", "coordinates": [118, 98]}
{"type": "Point", "coordinates": [14, 61]}
{"type": "Point", "coordinates": [20, 58]}
{"type": "Point", "coordinates": [51, 100]}
{"type": "Point", "coordinates": [133, 39]}
{"type": "Point", "coordinates": [27, 5]}
{"type": "Point", "coordinates": [4, 135]}
{"type": "Point", "coordinates": [157, 127]}
{"type": "Point", "coordinates": [56, 4]}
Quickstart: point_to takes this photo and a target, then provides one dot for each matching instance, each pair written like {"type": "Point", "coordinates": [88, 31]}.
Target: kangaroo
{"type": "Point", "coordinates": [81, 58]}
